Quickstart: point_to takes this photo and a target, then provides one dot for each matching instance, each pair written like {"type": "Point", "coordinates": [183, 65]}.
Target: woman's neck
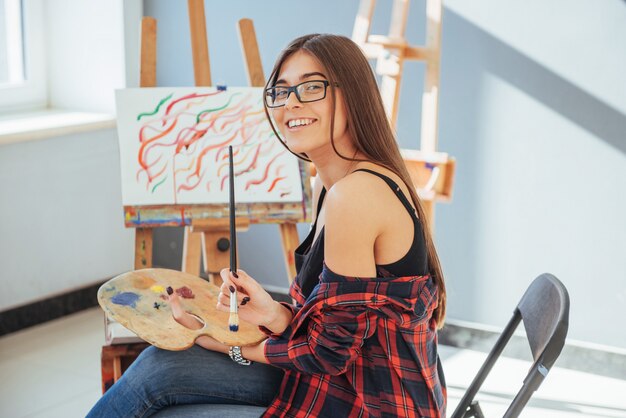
{"type": "Point", "coordinates": [331, 167]}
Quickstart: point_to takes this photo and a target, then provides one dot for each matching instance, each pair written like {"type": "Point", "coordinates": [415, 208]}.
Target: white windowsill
{"type": "Point", "coordinates": [49, 123]}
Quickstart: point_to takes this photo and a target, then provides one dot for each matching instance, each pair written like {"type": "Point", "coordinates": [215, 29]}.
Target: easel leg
{"type": "Point", "coordinates": [216, 254]}
{"type": "Point", "coordinates": [117, 368]}
{"type": "Point", "coordinates": [115, 359]}
{"type": "Point", "coordinates": [143, 248]}
{"type": "Point", "coordinates": [192, 251]}
{"type": "Point", "coordinates": [289, 239]}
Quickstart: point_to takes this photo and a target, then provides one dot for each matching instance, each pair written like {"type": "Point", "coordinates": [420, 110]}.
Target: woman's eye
{"type": "Point", "coordinates": [280, 94]}
{"type": "Point", "coordinates": [313, 88]}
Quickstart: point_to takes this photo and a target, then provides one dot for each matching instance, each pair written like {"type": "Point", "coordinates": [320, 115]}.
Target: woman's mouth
{"type": "Point", "coordinates": [299, 124]}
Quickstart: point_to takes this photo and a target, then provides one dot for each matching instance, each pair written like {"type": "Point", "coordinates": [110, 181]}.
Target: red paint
{"type": "Point", "coordinates": [276, 180]}
{"type": "Point", "coordinates": [185, 292]}
{"type": "Point", "coordinates": [190, 96]}
{"type": "Point", "coordinates": [267, 169]}
{"type": "Point", "coordinates": [236, 163]}
{"type": "Point", "coordinates": [209, 148]}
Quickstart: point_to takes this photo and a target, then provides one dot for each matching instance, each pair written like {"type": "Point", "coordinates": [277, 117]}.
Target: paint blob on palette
{"type": "Point", "coordinates": [126, 299]}
{"type": "Point", "coordinates": [138, 300]}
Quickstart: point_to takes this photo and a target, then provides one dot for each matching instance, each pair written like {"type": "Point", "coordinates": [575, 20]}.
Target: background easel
{"type": "Point", "coordinates": [206, 237]}
{"type": "Point", "coordinates": [432, 172]}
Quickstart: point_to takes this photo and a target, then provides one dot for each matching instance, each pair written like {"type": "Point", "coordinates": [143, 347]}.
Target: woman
{"type": "Point", "coordinates": [361, 339]}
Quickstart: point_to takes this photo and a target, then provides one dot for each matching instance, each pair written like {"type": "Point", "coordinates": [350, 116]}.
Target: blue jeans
{"type": "Point", "coordinates": [194, 382]}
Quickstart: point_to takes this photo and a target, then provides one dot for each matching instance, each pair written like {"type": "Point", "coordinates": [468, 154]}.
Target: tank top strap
{"type": "Point", "coordinates": [395, 188]}
{"type": "Point", "coordinates": [319, 202]}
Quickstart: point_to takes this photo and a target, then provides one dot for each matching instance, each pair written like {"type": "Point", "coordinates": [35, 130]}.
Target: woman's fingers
{"type": "Point", "coordinates": [247, 288]}
{"type": "Point", "coordinates": [227, 286]}
{"type": "Point", "coordinates": [244, 283]}
{"type": "Point", "coordinates": [224, 298]}
{"type": "Point", "coordinates": [177, 310]}
{"type": "Point", "coordinates": [240, 279]}
{"type": "Point", "coordinates": [228, 277]}
{"type": "Point", "coordinates": [180, 315]}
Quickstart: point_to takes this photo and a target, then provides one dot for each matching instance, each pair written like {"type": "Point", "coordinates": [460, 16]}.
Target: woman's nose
{"type": "Point", "coordinates": [292, 100]}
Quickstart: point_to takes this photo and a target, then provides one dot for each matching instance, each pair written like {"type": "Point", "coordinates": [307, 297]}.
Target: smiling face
{"type": "Point", "coordinates": [306, 127]}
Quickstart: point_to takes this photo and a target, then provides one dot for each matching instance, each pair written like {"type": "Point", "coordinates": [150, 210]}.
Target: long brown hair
{"type": "Point", "coordinates": [347, 67]}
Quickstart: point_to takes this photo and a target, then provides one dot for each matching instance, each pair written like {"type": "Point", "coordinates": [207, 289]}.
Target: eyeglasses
{"type": "Point", "coordinates": [307, 92]}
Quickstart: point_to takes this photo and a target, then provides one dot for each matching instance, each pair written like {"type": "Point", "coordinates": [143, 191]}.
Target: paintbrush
{"type": "Point", "coordinates": [233, 319]}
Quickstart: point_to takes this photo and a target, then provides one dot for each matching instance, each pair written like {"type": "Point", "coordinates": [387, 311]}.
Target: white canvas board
{"type": "Point", "coordinates": [174, 147]}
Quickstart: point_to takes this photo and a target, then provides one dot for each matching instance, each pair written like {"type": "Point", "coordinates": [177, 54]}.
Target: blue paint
{"type": "Point", "coordinates": [233, 328]}
{"type": "Point", "coordinates": [126, 299]}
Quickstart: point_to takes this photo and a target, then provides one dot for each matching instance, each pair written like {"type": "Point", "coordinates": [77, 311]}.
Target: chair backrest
{"type": "Point", "coordinates": [545, 313]}
{"type": "Point", "coordinates": [544, 310]}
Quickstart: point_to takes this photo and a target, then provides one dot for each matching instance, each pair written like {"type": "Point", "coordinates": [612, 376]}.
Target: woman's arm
{"type": "Point", "coordinates": [253, 352]}
{"type": "Point", "coordinates": [353, 223]}
{"type": "Point", "coordinates": [325, 337]}
{"type": "Point", "coordinates": [329, 336]}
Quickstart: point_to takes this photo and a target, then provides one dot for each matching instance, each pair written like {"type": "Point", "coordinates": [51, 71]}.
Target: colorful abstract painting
{"type": "Point", "coordinates": [174, 147]}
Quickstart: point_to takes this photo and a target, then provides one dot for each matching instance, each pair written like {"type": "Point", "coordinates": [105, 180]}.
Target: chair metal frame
{"type": "Point", "coordinates": [544, 310]}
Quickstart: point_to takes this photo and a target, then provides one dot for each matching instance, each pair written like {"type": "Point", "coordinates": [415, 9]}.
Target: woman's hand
{"type": "Point", "coordinates": [189, 321]}
{"type": "Point", "coordinates": [180, 315]}
{"type": "Point", "coordinates": [256, 306]}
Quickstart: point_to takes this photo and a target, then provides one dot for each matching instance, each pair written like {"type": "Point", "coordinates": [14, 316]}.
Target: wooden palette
{"type": "Point", "coordinates": [138, 301]}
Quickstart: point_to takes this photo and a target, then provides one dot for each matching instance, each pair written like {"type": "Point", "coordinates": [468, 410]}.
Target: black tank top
{"type": "Point", "coordinates": [310, 258]}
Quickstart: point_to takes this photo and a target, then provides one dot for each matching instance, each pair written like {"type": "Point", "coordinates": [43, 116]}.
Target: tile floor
{"type": "Point", "coordinates": [53, 370]}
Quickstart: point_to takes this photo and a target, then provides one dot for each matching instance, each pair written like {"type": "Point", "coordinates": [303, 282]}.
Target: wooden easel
{"type": "Point", "coordinates": [205, 237]}
{"type": "Point", "coordinates": [208, 238]}
{"type": "Point", "coordinates": [431, 171]}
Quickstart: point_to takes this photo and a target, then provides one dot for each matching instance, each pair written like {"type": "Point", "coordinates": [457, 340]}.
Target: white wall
{"type": "Point", "coordinates": [534, 108]}
{"type": "Point", "coordinates": [61, 217]}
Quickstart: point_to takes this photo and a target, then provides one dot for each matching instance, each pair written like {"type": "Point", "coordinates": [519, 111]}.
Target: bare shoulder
{"type": "Point", "coordinates": [354, 194]}
{"type": "Point", "coordinates": [351, 227]}
{"type": "Point", "coordinates": [364, 190]}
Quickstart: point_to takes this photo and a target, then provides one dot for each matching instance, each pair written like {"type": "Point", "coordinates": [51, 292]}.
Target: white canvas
{"type": "Point", "coordinates": [174, 147]}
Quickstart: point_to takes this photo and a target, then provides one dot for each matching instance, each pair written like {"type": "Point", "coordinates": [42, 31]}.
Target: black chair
{"type": "Point", "coordinates": [544, 309]}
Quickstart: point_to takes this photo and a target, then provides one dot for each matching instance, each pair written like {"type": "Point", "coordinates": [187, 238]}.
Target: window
{"type": "Point", "coordinates": [22, 64]}
{"type": "Point", "coordinates": [12, 49]}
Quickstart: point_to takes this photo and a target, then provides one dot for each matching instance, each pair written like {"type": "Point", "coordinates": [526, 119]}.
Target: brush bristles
{"type": "Point", "coordinates": [233, 319]}
{"type": "Point", "coordinates": [233, 322]}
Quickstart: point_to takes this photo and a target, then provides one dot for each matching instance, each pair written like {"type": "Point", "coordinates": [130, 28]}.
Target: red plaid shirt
{"type": "Point", "coordinates": [360, 348]}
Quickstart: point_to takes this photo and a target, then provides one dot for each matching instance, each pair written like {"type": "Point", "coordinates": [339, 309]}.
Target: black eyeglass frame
{"type": "Point", "coordinates": [294, 89]}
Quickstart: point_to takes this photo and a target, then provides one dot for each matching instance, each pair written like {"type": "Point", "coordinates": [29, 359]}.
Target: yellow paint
{"type": "Point", "coordinates": [157, 288]}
